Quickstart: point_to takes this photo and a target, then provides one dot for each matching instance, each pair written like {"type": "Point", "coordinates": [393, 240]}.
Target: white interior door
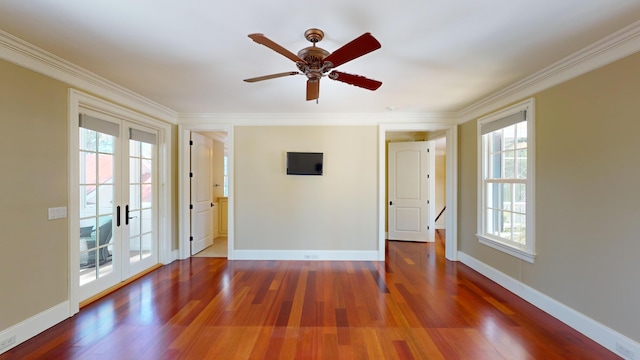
{"type": "Point", "coordinates": [117, 210]}
{"type": "Point", "coordinates": [409, 191]}
{"type": "Point", "coordinates": [201, 193]}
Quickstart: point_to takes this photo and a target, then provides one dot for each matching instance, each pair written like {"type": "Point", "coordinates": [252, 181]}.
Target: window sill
{"type": "Point", "coordinates": [511, 250]}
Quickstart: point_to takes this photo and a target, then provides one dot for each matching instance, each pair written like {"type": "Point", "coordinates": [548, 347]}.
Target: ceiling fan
{"type": "Point", "coordinates": [316, 63]}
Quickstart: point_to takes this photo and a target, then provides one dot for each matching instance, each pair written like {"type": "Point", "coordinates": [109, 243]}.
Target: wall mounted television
{"type": "Point", "coordinates": [304, 163]}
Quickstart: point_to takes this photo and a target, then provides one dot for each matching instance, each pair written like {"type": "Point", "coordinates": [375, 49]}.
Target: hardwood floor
{"type": "Point", "coordinates": [416, 305]}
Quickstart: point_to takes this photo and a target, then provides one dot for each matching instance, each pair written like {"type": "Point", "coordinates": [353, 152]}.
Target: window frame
{"type": "Point", "coordinates": [524, 251]}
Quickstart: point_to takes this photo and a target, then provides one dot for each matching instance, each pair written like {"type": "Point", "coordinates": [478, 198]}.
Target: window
{"type": "Point", "coordinates": [505, 180]}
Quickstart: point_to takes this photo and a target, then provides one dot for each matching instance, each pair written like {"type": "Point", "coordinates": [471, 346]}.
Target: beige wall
{"type": "Point", "coordinates": [33, 159]}
{"type": "Point", "coordinates": [587, 198]}
{"type": "Point", "coordinates": [336, 211]}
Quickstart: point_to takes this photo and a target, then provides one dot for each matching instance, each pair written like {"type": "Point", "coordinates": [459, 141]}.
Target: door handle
{"type": "Point", "coordinates": [211, 204]}
{"type": "Point", "coordinates": [129, 217]}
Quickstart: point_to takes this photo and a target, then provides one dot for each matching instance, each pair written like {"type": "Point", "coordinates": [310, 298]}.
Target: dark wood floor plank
{"type": "Point", "coordinates": [415, 305]}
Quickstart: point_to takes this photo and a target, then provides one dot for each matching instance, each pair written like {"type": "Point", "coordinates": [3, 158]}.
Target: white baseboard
{"type": "Point", "coordinates": [34, 325]}
{"type": "Point", "coordinates": [175, 255]}
{"type": "Point", "coordinates": [603, 335]}
{"type": "Point", "coordinates": [333, 255]}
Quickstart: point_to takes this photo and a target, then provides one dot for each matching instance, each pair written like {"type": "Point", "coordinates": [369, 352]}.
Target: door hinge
{"type": "Point", "coordinates": [428, 150]}
{"type": "Point", "coordinates": [190, 238]}
{"type": "Point", "coordinates": [428, 176]}
{"type": "Point", "coordinates": [427, 202]}
{"type": "Point", "coordinates": [427, 228]}
{"type": "Point", "coordinates": [190, 206]}
{"type": "Point", "coordinates": [190, 142]}
{"type": "Point", "coordinates": [190, 174]}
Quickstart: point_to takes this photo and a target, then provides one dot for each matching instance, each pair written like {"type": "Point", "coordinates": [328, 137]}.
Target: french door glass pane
{"type": "Point", "coordinates": [146, 171]}
{"type": "Point", "coordinates": [146, 222]}
{"type": "Point", "coordinates": [146, 245]}
{"type": "Point", "coordinates": [140, 200]}
{"type": "Point", "coordinates": [134, 196]}
{"type": "Point", "coordinates": [106, 143]}
{"type": "Point", "coordinates": [146, 195]}
{"type": "Point", "coordinates": [96, 204]}
{"type": "Point", "coordinates": [105, 199]}
{"type": "Point", "coordinates": [134, 170]}
{"type": "Point", "coordinates": [146, 150]}
{"type": "Point", "coordinates": [134, 249]}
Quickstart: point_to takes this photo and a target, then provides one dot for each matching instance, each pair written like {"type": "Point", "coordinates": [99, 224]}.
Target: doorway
{"type": "Point", "coordinates": [208, 194]}
{"type": "Point", "coordinates": [221, 186]}
{"type": "Point", "coordinates": [434, 131]}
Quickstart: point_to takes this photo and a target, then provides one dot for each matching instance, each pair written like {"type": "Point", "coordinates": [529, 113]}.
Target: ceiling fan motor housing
{"type": "Point", "coordinates": [313, 56]}
{"type": "Point", "coordinates": [313, 67]}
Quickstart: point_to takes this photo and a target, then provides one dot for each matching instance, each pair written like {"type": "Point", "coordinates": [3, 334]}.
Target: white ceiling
{"type": "Point", "coordinates": [437, 56]}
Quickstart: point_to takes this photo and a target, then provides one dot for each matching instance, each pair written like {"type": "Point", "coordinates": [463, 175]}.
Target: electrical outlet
{"type": "Point", "coordinates": [625, 352]}
{"type": "Point", "coordinates": [7, 342]}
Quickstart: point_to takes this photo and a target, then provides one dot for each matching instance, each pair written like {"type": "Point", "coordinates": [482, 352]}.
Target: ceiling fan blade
{"type": "Point", "coordinates": [272, 76]}
{"type": "Point", "coordinates": [313, 89]}
{"type": "Point", "coordinates": [355, 80]}
{"type": "Point", "coordinates": [263, 40]}
{"type": "Point", "coordinates": [362, 45]}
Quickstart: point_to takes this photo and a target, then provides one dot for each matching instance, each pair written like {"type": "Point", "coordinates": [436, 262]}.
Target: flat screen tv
{"type": "Point", "coordinates": [304, 163]}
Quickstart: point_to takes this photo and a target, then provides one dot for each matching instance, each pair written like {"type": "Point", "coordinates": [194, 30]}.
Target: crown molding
{"type": "Point", "coordinates": [325, 119]}
{"type": "Point", "coordinates": [612, 48]}
{"type": "Point", "coordinates": [29, 56]}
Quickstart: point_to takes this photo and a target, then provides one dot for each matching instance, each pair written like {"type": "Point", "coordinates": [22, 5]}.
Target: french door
{"type": "Point", "coordinates": [118, 196]}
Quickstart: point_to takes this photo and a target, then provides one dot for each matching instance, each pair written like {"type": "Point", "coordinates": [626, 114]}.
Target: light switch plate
{"type": "Point", "coordinates": [57, 213]}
